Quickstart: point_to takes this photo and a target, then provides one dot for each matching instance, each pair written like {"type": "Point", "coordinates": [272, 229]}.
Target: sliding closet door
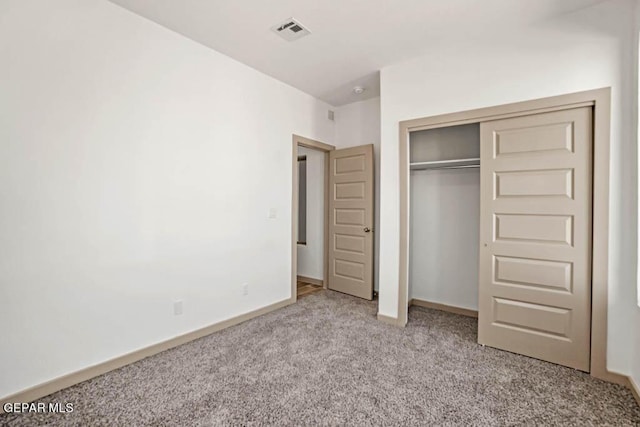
{"type": "Point", "coordinates": [535, 238]}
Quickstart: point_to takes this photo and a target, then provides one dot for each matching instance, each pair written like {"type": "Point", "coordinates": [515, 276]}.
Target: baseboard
{"type": "Point", "coordinates": [608, 376]}
{"type": "Point", "coordinates": [443, 307]}
{"type": "Point", "coordinates": [65, 381]}
{"type": "Point", "coordinates": [388, 320]}
{"type": "Point", "coordinates": [311, 280]}
{"type": "Point", "coordinates": [611, 377]}
{"type": "Point", "coordinates": [635, 389]}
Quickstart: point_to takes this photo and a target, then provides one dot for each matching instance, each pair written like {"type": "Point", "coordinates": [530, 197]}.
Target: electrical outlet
{"type": "Point", "coordinates": [177, 308]}
{"type": "Point", "coordinates": [245, 289]}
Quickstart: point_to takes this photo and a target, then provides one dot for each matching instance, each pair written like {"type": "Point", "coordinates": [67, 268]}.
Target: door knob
{"type": "Point", "coordinates": [367, 229]}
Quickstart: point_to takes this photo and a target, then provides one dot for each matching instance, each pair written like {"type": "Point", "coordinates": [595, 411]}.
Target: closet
{"type": "Point", "coordinates": [445, 216]}
{"type": "Point", "coordinates": [500, 221]}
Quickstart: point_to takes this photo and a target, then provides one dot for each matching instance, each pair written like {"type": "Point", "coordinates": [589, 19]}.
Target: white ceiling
{"type": "Point", "coordinates": [350, 39]}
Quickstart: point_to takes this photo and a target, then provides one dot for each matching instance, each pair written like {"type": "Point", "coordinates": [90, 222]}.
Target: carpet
{"type": "Point", "coordinates": [327, 361]}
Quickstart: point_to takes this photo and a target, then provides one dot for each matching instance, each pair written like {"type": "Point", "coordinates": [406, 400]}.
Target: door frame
{"type": "Point", "coordinates": [600, 101]}
{"type": "Point", "coordinates": [301, 141]}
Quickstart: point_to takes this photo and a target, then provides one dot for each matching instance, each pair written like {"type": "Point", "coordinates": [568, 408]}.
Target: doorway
{"type": "Point", "coordinates": [310, 216]}
{"type": "Point", "coordinates": [310, 230]}
{"type": "Point", "coordinates": [332, 219]}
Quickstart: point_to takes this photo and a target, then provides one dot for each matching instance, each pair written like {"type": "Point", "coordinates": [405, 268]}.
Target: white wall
{"type": "Point", "coordinates": [359, 124]}
{"type": "Point", "coordinates": [311, 255]}
{"type": "Point", "coordinates": [136, 168]}
{"type": "Point", "coordinates": [584, 50]}
{"type": "Point", "coordinates": [445, 233]}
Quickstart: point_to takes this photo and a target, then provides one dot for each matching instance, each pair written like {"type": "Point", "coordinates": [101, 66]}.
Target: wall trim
{"type": "Point", "coordinates": [635, 388]}
{"type": "Point", "coordinates": [443, 307]}
{"type": "Point", "coordinates": [311, 280]}
{"type": "Point", "coordinates": [41, 390]}
{"type": "Point", "coordinates": [388, 320]}
{"type": "Point", "coordinates": [600, 100]}
{"type": "Point", "coordinates": [312, 143]}
{"type": "Point", "coordinates": [613, 377]}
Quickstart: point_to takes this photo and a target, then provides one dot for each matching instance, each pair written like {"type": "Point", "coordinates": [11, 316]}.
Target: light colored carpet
{"type": "Point", "coordinates": [340, 366]}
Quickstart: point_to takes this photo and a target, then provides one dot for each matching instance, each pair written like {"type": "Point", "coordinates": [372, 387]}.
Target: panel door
{"type": "Point", "coordinates": [351, 221]}
{"type": "Point", "coordinates": [535, 238]}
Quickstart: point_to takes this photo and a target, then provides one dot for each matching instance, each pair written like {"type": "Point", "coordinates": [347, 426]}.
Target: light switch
{"type": "Point", "coordinates": [273, 213]}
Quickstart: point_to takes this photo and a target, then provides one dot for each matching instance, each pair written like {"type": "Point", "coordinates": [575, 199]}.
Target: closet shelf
{"type": "Point", "coordinates": [446, 164]}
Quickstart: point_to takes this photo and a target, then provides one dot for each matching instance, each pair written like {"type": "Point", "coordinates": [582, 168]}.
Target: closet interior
{"type": "Point", "coordinates": [444, 223]}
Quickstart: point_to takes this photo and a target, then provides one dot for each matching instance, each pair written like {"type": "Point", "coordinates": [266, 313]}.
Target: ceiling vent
{"type": "Point", "coordinates": [290, 30]}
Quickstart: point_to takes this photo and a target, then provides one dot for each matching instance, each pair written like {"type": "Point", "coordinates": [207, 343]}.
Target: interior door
{"type": "Point", "coordinates": [351, 221]}
{"type": "Point", "coordinates": [535, 238]}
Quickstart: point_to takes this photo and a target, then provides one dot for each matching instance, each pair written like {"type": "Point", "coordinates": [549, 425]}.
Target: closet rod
{"type": "Point", "coordinates": [445, 164]}
{"type": "Point", "coordinates": [458, 167]}
{"type": "Point", "coordinates": [446, 167]}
